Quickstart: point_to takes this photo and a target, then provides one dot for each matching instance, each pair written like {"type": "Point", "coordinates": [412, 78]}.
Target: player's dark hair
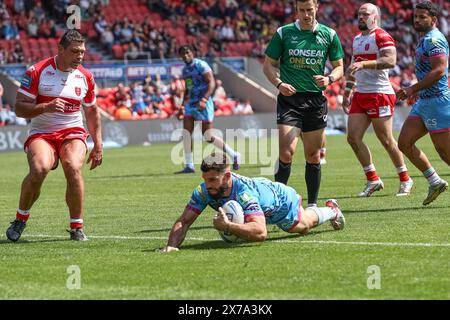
{"type": "Point", "coordinates": [184, 48]}
{"type": "Point", "coordinates": [215, 161]}
{"type": "Point", "coordinates": [433, 9]}
{"type": "Point", "coordinates": [71, 36]}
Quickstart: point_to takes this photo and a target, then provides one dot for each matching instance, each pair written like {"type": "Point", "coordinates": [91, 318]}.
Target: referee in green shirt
{"type": "Point", "coordinates": [300, 50]}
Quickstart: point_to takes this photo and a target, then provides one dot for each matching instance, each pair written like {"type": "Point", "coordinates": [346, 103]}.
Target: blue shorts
{"type": "Point", "coordinates": [207, 115]}
{"type": "Point", "coordinates": [293, 216]}
{"type": "Point", "coordinates": [434, 113]}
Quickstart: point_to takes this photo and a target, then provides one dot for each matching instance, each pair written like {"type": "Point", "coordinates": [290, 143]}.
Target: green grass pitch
{"type": "Point", "coordinates": [133, 199]}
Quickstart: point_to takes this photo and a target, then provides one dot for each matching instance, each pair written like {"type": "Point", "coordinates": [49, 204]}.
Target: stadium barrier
{"type": "Point", "coordinates": [147, 132]}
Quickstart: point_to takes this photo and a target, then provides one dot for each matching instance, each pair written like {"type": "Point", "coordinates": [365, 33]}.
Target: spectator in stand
{"type": "Point", "coordinates": [259, 49]}
{"type": "Point", "coordinates": [100, 24]}
{"type": "Point", "coordinates": [211, 55]}
{"type": "Point", "coordinates": [17, 55]}
{"type": "Point", "coordinates": [126, 33]}
{"type": "Point", "coordinates": [9, 117]}
{"type": "Point", "coordinates": [107, 38]}
{"type": "Point", "coordinates": [227, 31]}
{"type": "Point", "coordinates": [243, 108]}
{"type": "Point", "coordinates": [9, 30]}
{"type": "Point", "coordinates": [3, 56]}
{"type": "Point", "coordinates": [242, 34]}
{"type": "Point", "coordinates": [121, 96]}
{"type": "Point", "coordinates": [122, 112]}
{"type": "Point", "coordinates": [33, 28]}
{"type": "Point", "coordinates": [137, 99]}
{"type": "Point", "coordinates": [220, 95]}
{"type": "Point", "coordinates": [47, 29]}
{"type": "Point", "coordinates": [157, 103]}
{"type": "Point", "coordinates": [39, 12]}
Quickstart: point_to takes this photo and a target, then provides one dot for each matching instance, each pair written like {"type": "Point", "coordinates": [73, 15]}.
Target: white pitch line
{"type": "Point", "coordinates": [355, 243]}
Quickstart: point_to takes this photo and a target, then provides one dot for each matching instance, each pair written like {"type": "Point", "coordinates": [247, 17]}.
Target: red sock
{"type": "Point", "coordinates": [22, 216]}
{"type": "Point", "coordinates": [404, 176]}
{"type": "Point", "coordinates": [76, 224]}
{"type": "Point", "coordinates": [372, 176]}
{"type": "Point", "coordinates": [403, 173]}
{"type": "Point", "coordinates": [371, 173]}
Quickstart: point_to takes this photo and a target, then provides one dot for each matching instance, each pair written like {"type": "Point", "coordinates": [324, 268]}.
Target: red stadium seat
{"type": "Point", "coordinates": [118, 51]}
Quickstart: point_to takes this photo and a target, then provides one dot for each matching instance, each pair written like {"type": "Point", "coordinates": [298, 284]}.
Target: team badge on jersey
{"type": "Point", "coordinates": [77, 91]}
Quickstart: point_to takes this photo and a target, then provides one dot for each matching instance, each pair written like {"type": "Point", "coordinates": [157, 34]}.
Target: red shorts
{"type": "Point", "coordinates": [57, 139]}
{"type": "Point", "coordinates": [375, 105]}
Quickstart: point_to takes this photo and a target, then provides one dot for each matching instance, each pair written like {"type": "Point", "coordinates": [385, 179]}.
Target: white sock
{"type": "Point", "coordinates": [23, 212]}
{"type": "Point", "coordinates": [189, 158]}
{"type": "Point", "coordinates": [369, 168]}
{"type": "Point", "coordinates": [402, 169]}
{"type": "Point", "coordinates": [324, 214]}
{"type": "Point", "coordinates": [432, 176]}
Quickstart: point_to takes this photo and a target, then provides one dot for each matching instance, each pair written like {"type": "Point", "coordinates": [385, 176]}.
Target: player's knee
{"type": "Point", "coordinates": [72, 168]}
{"type": "Point", "coordinates": [39, 172]}
{"type": "Point", "coordinates": [286, 155]}
{"type": "Point", "coordinates": [313, 156]}
{"type": "Point", "coordinates": [353, 141]}
{"type": "Point", "coordinates": [387, 142]}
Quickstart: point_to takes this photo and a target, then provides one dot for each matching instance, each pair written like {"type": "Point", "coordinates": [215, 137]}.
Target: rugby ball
{"type": "Point", "coordinates": [235, 214]}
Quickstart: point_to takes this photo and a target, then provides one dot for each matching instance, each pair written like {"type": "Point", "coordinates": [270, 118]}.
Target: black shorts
{"type": "Point", "coordinates": [306, 110]}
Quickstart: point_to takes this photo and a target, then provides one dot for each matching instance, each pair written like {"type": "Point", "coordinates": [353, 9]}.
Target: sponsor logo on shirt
{"type": "Point", "coordinates": [77, 91]}
{"type": "Point", "coordinates": [26, 81]}
{"type": "Point", "coordinates": [245, 198]}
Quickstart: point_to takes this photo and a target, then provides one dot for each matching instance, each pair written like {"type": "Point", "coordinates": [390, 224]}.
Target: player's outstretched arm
{"type": "Point", "coordinates": [94, 125]}
{"type": "Point", "coordinates": [26, 107]}
{"type": "Point", "coordinates": [179, 230]}
{"type": "Point", "coordinates": [254, 229]}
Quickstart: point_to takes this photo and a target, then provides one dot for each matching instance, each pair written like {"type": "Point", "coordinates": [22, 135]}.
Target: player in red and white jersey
{"type": "Point", "coordinates": [51, 94]}
{"type": "Point", "coordinates": [373, 99]}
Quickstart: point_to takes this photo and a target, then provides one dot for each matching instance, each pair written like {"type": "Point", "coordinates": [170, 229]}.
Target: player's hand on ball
{"type": "Point", "coordinates": [221, 221]}
{"type": "Point", "coordinates": [169, 249]}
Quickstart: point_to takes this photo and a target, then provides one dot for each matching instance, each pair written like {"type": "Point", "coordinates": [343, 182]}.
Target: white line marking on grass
{"type": "Point", "coordinates": [355, 243]}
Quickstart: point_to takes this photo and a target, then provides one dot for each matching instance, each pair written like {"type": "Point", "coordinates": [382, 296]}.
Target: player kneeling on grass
{"type": "Point", "coordinates": [263, 201]}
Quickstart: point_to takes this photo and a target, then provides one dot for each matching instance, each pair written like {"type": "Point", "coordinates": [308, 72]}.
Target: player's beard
{"type": "Point", "coordinates": [220, 192]}
{"type": "Point", "coordinates": [421, 28]}
{"type": "Point", "coordinates": [362, 26]}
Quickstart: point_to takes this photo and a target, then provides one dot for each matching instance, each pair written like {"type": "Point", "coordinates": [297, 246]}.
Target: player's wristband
{"type": "Point", "coordinates": [279, 84]}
